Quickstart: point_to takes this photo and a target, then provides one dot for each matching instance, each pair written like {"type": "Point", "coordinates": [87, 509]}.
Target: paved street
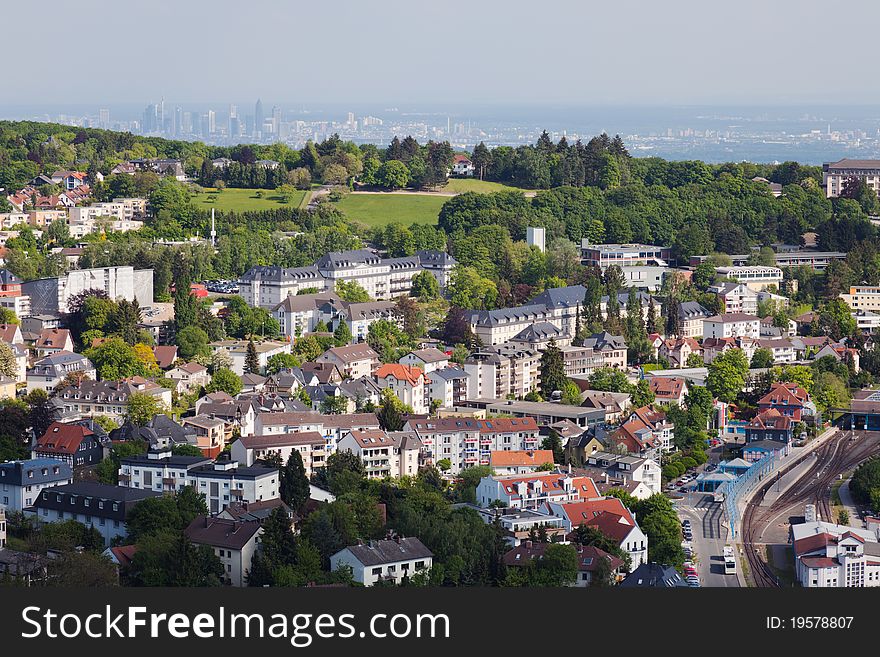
{"type": "Point", "coordinates": [710, 537]}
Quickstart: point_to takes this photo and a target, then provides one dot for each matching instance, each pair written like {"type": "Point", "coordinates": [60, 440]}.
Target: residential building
{"type": "Point", "coordinates": [836, 174]}
{"type": "Point", "coordinates": [467, 442]}
{"type": "Point", "coordinates": [52, 341]}
{"type": "Point", "coordinates": [237, 351]}
{"type": "Point", "coordinates": [427, 360]}
{"type": "Point", "coordinates": [736, 298]}
{"type": "Point", "coordinates": [588, 558]}
{"type": "Point", "coordinates": [678, 350]}
{"type": "Point", "coordinates": [690, 316]}
{"type": "Point", "coordinates": [52, 295]}
{"type": "Point", "coordinates": [11, 296]}
{"type": "Point", "coordinates": [783, 350]}
{"type": "Point", "coordinates": [789, 399]}
{"type": "Point", "coordinates": [50, 371]}
{"type": "Point", "coordinates": [644, 277]}
{"type": "Point", "coordinates": [732, 325]}
{"type": "Point", "coordinates": [360, 316]}
{"type": "Point", "coordinates": [234, 542]}
{"type": "Point", "coordinates": [90, 398]}
{"type": "Point", "coordinates": [391, 559]}
{"type": "Point", "coordinates": [392, 454]}
{"type": "Point", "coordinates": [210, 433]}
{"type": "Point", "coordinates": [462, 166]}
{"type": "Point", "coordinates": [447, 387]}
{"type": "Point", "coordinates": [863, 297]}
{"type": "Point", "coordinates": [534, 491]}
{"type": "Point", "coordinates": [226, 482]}
{"type": "Point", "coordinates": [99, 506]}
{"type": "Point", "coordinates": [22, 481]}
{"type": "Point", "coordinates": [495, 372]}
{"type": "Point", "coordinates": [189, 377]}
{"type": "Point", "coordinates": [646, 432]}
{"type": "Point", "coordinates": [73, 444]}
{"type": "Point", "coordinates": [654, 575]}
{"type": "Point", "coordinates": [668, 390]}
{"type": "Point", "coordinates": [311, 445]}
{"type": "Point", "coordinates": [835, 556]}
{"type": "Point", "coordinates": [612, 404]}
{"type": "Point", "coordinates": [612, 349]}
{"type": "Point", "coordinates": [354, 361]}
{"type": "Point", "coordinates": [622, 469]}
{"type": "Point", "coordinates": [612, 518]}
{"type": "Point", "coordinates": [407, 383]}
{"type": "Point", "coordinates": [299, 314]}
{"type": "Point", "coordinates": [542, 412]}
{"type": "Point", "coordinates": [770, 425]}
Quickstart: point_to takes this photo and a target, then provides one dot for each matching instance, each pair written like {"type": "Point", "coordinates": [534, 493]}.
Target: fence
{"type": "Point", "coordinates": [734, 490]}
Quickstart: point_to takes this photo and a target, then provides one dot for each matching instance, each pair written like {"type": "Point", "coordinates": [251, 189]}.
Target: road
{"type": "Point", "coordinates": [710, 537]}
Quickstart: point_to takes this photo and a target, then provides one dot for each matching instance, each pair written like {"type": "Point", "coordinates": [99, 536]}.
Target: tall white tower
{"type": "Point", "coordinates": [213, 232]}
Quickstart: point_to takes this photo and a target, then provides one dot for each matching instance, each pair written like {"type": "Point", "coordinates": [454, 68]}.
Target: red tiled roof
{"type": "Point", "coordinates": [514, 457]}
{"type": "Point", "coordinates": [400, 372]}
{"type": "Point", "coordinates": [62, 438]}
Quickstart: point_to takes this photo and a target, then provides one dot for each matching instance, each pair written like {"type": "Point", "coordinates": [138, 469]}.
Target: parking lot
{"type": "Point", "coordinates": [222, 286]}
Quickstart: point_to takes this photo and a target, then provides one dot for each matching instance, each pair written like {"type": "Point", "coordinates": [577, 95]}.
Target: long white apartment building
{"type": "Point", "coordinates": [382, 278]}
{"type": "Point", "coordinates": [863, 297]}
{"type": "Point", "coordinates": [732, 325]}
{"type": "Point", "coordinates": [757, 277]}
{"type": "Point", "coordinates": [835, 175]}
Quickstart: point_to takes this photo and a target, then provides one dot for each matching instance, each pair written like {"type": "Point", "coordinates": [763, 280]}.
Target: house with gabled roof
{"type": "Point", "coordinates": [354, 361]}
{"type": "Point", "coordinates": [589, 560]}
{"type": "Point", "coordinates": [535, 490]}
{"type": "Point", "coordinates": [668, 389]}
{"type": "Point", "coordinates": [409, 385]}
{"type": "Point", "coordinates": [646, 432]}
{"type": "Point", "coordinates": [73, 444]}
{"type": "Point", "coordinates": [389, 559]}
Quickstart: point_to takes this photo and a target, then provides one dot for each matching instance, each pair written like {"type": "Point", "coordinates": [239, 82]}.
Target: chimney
{"type": "Point", "coordinates": [528, 544]}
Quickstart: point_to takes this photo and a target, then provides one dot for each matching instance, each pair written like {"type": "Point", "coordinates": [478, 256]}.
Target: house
{"type": "Point", "coordinates": [467, 442]}
{"type": "Point", "coordinates": [612, 349]}
{"type": "Point", "coordinates": [392, 454]}
{"type": "Point", "coordinates": [73, 444]}
{"type": "Point", "coordinates": [517, 462]}
{"type": "Point", "coordinates": [714, 347]}
{"type": "Point", "coordinates": [311, 446]}
{"type": "Point", "coordinates": [210, 433]}
{"type": "Point", "coordinates": [732, 325]}
{"type": "Point", "coordinates": [252, 383]}
{"type": "Point", "coordinates": [226, 482]}
{"type": "Point", "coordinates": [677, 351]}
{"type": "Point", "coordinates": [447, 387]}
{"type": "Point", "coordinates": [427, 360]}
{"type": "Point", "coordinates": [668, 389]}
{"type": "Point", "coordinates": [612, 404]}
{"type": "Point", "coordinates": [835, 556]}
{"type": "Point", "coordinates": [189, 377]}
{"type": "Point", "coordinates": [690, 316]}
{"type": "Point", "coordinates": [760, 449]}
{"type": "Point", "coordinates": [299, 314]}
{"type": "Point", "coordinates": [609, 516]}
{"type": "Point", "coordinates": [11, 334]}
{"type": "Point", "coordinates": [621, 469]}
{"type": "Point", "coordinates": [234, 542]}
{"type": "Point", "coordinates": [407, 383]}
{"type": "Point", "coordinates": [354, 361]}
{"type": "Point", "coordinates": [654, 575]}
{"type": "Point", "coordinates": [770, 425]}
{"type": "Point", "coordinates": [237, 351]}
{"type": "Point", "coordinates": [332, 427]}
{"type": "Point", "coordinates": [22, 481]}
{"type": "Point", "coordinates": [783, 351]}
{"type": "Point", "coordinates": [736, 298]}
{"type": "Point", "coordinates": [99, 506]}
{"type": "Point", "coordinates": [391, 559]}
{"type": "Point", "coordinates": [89, 398]}
{"type": "Point", "coordinates": [51, 370]}
{"type": "Point", "coordinates": [789, 399]}
{"type": "Point", "coordinates": [646, 432]}
{"type": "Point", "coordinates": [462, 165]}
{"type": "Point", "coordinates": [589, 560]}
{"type": "Point", "coordinates": [159, 433]}
{"type": "Point", "coordinates": [322, 373]}
{"type": "Point", "coordinates": [840, 353]}
{"type": "Point", "coordinates": [165, 355]}
{"type": "Point", "coordinates": [533, 491]}
{"type": "Point", "coordinates": [11, 296]}
{"type": "Point", "coordinates": [360, 316]}
{"type": "Point", "coordinates": [501, 370]}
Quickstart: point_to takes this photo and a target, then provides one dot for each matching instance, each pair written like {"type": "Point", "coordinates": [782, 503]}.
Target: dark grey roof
{"type": "Point", "coordinates": [177, 461]}
{"type": "Point", "coordinates": [538, 331]}
{"type": "Point", "coordinates": [85, 493]}
{"type": "Point", "coordinates": [449, 373]}
{"type": "Point", "coordinates": [34, 472]}
{"type": "Point", "coordinates": [691, 310]}
{"type": "Point", "coordinates": [561, 297]}
{"type": "Point", "coordinates": [8, 278]}
{"type": "Point", "coordinates": [220, 532]}
{"type": "Point", "coordinates": [653, 575]}
{"type": "Point", "coordinates": [434, 258]}
{"type": "Point", "coordinates": [389, 551]}
{"type": "Point", "coordinates": [342, 259]}
{"type": "Point", "coordinates": [505, 315]}
{"type": "Point", "coordinates": [599, 341]}
{"type": "Point", "coordinates": [240, 472]}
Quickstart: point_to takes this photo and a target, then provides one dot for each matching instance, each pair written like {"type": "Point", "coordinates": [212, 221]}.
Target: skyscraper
{"type": "Point", "coordinates": [151, 119]}
{"type": "Point", "coordinates": [258, 118]}
{"type": "Point", "coordinates": [104, 118]}
{"type": "Point", "coordinates": [276, 120]}
{"type": "Point", "coordinates": [212, 121]}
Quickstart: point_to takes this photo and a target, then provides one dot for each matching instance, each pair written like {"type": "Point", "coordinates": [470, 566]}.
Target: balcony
{"type": "Point", "coordinates": [237, 492]}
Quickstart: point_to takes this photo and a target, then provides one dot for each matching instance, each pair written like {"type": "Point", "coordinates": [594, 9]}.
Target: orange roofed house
{"type": "Point", "coordinates": [409, 385]}
{"type": "Point", "coordinates": [646, 432]}
{"type": "Point", "coordinates": [75, 444]}
{"type": "Point", "coordinates": [612, 518]}
{"type": "Point", "coordinates": [519, 461]}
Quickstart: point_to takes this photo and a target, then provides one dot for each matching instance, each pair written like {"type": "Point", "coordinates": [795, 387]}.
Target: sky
{"type": "Point", "coordinates": [553, 52]}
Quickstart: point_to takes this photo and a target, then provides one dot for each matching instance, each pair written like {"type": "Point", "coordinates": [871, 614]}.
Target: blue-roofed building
{"type": "Point", "coordinates": [757, 450]}
{"type": "Point", "coordinates": [735, 466]}
{"type": "Point", "coordinates": [22, 481]}
{"type": "Point", "coordinates": [708, 482]}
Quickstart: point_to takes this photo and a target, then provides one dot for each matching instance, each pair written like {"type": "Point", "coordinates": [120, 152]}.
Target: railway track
{"type": "Point", "coordinates": [841, 453]}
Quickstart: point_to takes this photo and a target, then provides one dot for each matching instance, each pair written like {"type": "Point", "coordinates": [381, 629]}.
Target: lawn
{"type": "Point", "coordinates": [382, 209]}
{"type": "Point", "coordinates": [462, 185]}
{"type": "Point", "coordinates": [241, 200]}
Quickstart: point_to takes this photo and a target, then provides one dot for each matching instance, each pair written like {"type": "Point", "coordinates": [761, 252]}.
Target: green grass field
{"type": "Point", "coordinates": [462, 185]}
{"type": "Point", "coordinates": [382, 209]}
{"type": "Point", "coordinates": [241, 200]}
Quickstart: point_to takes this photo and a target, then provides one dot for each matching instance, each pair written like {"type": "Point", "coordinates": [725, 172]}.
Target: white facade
{"type": "Point", "coordinates": [368, 568]}
{"type": "Point", "coordinates": [732, 326]}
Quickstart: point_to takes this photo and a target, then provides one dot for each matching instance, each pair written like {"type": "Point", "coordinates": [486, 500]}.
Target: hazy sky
{"type": "Point", "coordinates": [469, 51]}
